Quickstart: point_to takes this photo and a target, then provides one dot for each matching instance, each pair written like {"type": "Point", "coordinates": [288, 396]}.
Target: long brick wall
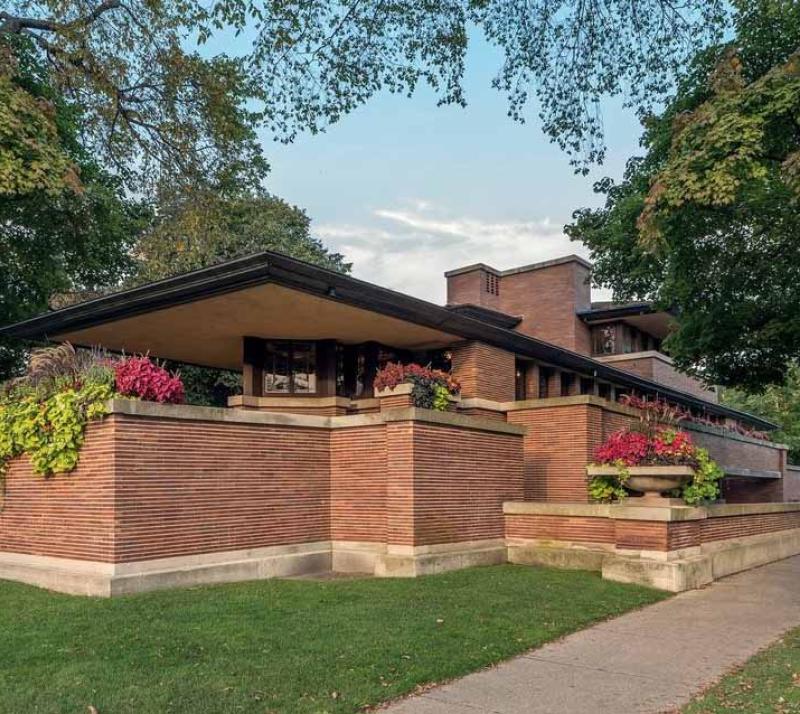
{"type": "Point", "coordinates": [185, 487]}
{"type": "Point", "coordinates": [626, 533]}
{"type": "Point", "coordinates": [150, 487]}
{"type": "Point", "coordinates": [462, 477]}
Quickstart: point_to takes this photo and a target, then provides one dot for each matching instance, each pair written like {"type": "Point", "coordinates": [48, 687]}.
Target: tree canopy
{"type": "Point", "coordinates": [54, 238]}
{"type": "Point", "coordinates": [158, 101]}
{"type": "Point", "coordinates": [204, 225]}
{"type": "Point", "coordinates": [707, 221]}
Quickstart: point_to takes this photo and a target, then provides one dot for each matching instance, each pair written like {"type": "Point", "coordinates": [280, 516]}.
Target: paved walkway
{"type": "Point", "coordinates": [653, 660]}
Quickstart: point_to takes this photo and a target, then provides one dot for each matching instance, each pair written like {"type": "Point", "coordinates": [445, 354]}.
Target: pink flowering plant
{"type": "Point", "coordinates": [654, 441]}
{"type": "Point", "coordinates": [144, 379]}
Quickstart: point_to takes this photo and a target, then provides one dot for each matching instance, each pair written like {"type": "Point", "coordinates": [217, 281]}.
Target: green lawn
{"type": "Point", "coordinates": [284, 646]}
{"type": "Point", "coordinates": [768, 684]}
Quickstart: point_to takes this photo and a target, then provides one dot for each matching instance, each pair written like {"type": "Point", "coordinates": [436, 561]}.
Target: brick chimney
{"type": "Point", "coordinates": [546, 296]}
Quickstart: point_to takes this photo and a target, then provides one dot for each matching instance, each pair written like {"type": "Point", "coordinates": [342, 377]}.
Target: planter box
{"type": "Point", "coordinates": [652, 481]}
{"type": "Point", "coordinates": [400, 397]}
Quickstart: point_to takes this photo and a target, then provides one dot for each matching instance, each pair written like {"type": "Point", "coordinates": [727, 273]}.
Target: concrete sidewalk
{"type": "Point", "coordinates": [652, 660]}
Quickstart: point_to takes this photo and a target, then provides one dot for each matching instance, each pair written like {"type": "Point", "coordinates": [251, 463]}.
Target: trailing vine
{"type": "Point", "coordinates": [44, 414]}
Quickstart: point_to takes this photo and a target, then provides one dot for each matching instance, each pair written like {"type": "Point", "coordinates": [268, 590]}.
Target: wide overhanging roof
{"type": "Point", "coordinates": [201, 317]}
{"type": "Point", "coordinates": [642, 315]}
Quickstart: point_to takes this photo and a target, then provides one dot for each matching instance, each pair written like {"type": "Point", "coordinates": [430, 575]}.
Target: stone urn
{"type": "Point", "coordinates": [651, 481]}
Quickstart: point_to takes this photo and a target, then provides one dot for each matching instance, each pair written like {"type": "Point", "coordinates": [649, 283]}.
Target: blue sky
{"type": "Point", "coordinates": [406, 189]}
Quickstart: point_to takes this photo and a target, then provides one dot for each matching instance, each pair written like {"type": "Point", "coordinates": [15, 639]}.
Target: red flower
{"type": "Point", "coordinates": [629, 447]}
{"type": "Point", "coordinates": [141, 377]}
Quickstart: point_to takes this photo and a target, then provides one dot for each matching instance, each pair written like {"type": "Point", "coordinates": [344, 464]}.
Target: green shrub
{"type": "Point", "coordinates": [49, 428]}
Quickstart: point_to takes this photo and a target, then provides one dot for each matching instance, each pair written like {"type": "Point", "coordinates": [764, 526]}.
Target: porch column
{"type": "Point", "coordinates": [252, 367]}
{"type": "Point", "coordinates": [485, 372]}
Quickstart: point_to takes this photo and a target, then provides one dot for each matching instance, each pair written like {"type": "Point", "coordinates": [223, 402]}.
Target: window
{"type": "Point", "coordinates": [290, 367]}
{"type": "Point", "coordinates": [567, 380]}
{"type": "Point", "coordinates": [587, 385]}
{"type": "Point", "coordinates": [492, 284]}
{"type": "Point", "coordinates": [520, 375]}
{"type": "Point", "coordinates": [605, 340]}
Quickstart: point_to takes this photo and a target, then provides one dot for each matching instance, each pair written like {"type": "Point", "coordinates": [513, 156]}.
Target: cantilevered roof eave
{"type": "Point", "coordinates": [288, 272]}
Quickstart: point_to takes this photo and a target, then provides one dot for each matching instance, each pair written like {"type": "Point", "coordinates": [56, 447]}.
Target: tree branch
{"type": "Point", "coordinates": [14, 25]}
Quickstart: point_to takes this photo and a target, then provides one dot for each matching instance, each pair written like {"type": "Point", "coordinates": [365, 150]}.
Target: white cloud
{"type": "Point", "coordinates": [408, 249]}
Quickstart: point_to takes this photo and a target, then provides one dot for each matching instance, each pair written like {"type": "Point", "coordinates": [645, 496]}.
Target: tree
{"type": "Point", "coordinates": [707, 221]}
{"type": "Point", "coordinates": [155, 106]}
{"type": "Point", "coordinates": [53, 237]}
{"type": "Point", "coordinates": [205, 225]}
{"type": "Point", "coordinates": [778, 403]}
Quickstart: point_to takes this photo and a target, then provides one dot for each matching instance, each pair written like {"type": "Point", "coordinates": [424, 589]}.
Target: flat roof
{"type": "Point", "coordinates": [572, 258]}
{"type": "Point", "coordinates": [199, 308]}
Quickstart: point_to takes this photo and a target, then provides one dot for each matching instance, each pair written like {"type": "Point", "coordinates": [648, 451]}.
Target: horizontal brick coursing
{"type": "Point", "coordinates": [577, 529]}
{"type": "Point", "coordinates": [646, 535]}
{"type": "Point", "coordinates": [726, 527]}
{"type": "Point", "coordinates": [150, 487]}
{"type": "Point", "coordinates": [202, 487]}
{"type": "Point", "coordinates": [66, 515]}
{"type": "Point", "coordinates": [358, 484]}
{"type": "Point", "coordinates": [548, 299]}
{"type": "Point", "coordinates": [462, 477]}
{"type": "Point", "coordinates": [557, 448]}
{"type": "Point", "coordinates": [484, 371]}
{"type": "Point", "coordinates": [658, 370]}
{"type": "Point", "coordinates": [396, 401]}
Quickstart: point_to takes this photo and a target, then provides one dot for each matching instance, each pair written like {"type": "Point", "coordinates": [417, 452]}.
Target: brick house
{"type": "Point", "coordinates": [309, 469]}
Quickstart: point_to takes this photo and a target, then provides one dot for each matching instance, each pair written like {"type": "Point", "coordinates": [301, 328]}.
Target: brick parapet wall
{"type": "Point", "coordinates": [614, 527]}
{"type": "Point", "coordinates": [658, 368]}
{"type": "Point", "coordinates": [66, 517]}
{"type": "Point", "coordinates": [185, 487]}
{"type": "Point", "coordinates": [150, 486]}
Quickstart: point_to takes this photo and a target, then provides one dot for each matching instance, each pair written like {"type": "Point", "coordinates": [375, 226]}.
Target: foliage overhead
{"type": "Point", "coordinates": [53, 238]}
{"type": "Point", "coordinates": [707, 221]}
{"type": "Point", "coordinates": [158, 101]}
{"type": "Point", "coordinates": [201, 226]}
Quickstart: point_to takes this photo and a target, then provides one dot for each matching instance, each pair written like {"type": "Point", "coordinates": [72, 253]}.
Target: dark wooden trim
{"type": "Point", "coordinates": [268, 267]}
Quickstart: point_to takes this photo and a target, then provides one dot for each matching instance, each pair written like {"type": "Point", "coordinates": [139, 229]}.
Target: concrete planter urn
{"type": "Point", "coordinates": [651, 481]}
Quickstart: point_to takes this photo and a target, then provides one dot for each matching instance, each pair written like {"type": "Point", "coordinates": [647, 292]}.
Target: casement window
{"type": "Point", "coordinates": [290, 367]}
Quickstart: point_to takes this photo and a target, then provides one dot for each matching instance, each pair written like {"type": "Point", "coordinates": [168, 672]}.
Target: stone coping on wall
{"type": "Point", "coordinates": [133, 407]}
{"type": "Point", "coordinates": [646, 513]}
{"type": "Point", "coordinates": [242, 400]}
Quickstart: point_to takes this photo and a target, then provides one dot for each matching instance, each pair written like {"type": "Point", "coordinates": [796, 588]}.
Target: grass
{"type": "Point", "coordinates": [769, 683]}
{"type": "Point", "coordinates": [284, 645]}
